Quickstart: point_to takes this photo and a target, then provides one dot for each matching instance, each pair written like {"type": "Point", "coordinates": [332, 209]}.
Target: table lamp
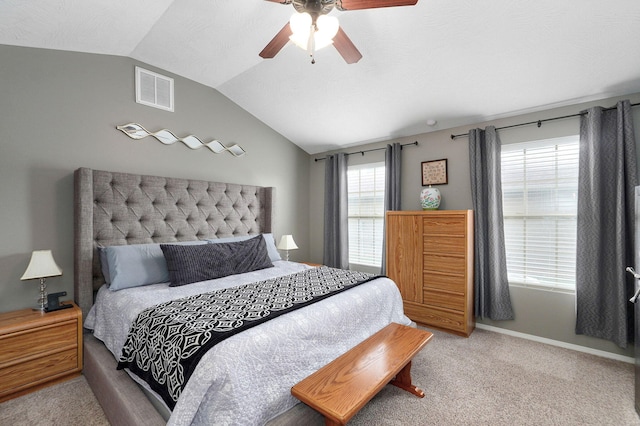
{"type": "Point", "coordinates": [286, 243]}
{"type": "Point", "coordinates": [41, 266]}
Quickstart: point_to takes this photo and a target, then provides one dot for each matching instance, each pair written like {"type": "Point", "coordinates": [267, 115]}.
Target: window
{"type": "Point", "coordinates": [366, 213]}
{"type": "Point", "coordinates": [539, 190]}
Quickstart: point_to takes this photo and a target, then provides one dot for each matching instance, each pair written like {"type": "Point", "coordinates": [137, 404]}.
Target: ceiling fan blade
{"type": "Point", "coordinates": [281, 1]}
{"type": "Point", "coordinates": [277, 43]}
{"type": "Point", "coordinates": [371, 4]}
{"type": "Point", "coordinates": [346, 48]}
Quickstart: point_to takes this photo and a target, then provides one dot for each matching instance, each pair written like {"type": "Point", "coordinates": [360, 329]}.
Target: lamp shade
{"type": "Point", "coordinates": [287, 243]}
{"type": "Point", "coordinates": [41, 265]}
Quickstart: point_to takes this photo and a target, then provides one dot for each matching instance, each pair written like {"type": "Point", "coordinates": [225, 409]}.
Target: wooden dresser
{"type": "Point", "coordinates": [38, 349]}
{"type": "Point", "coordinates": [430, 257]}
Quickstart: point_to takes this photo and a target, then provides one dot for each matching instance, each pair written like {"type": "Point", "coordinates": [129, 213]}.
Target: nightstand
{"type": "Point", "coordinates": [315, 265]}
{"type": "Point", "coordinates": [38, 349]}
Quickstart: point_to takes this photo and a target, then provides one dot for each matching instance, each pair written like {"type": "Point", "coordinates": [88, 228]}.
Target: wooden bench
{"type": "Point", "coordinates": [342, 387]}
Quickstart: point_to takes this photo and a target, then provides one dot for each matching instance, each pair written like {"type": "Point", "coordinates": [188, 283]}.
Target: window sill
{"type": "Point", "coordinates": [543, 288]}
{"type": "Point", "coordinates": [365, 268]}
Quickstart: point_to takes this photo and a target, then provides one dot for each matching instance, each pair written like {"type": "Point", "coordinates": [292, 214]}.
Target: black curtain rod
{"type": "Point", "coordinates": [368, 150]}
{"type": "Point", "coordinates": [539, 122]}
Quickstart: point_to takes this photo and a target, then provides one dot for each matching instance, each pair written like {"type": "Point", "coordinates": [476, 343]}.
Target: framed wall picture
{"type": "Point", "coordinates": [434, 172]}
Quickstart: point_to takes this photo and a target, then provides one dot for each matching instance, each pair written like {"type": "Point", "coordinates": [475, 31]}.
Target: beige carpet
{"type": "Point", "coordinates": [68, 403]}
{"type": "Point", "coordinates": [487, 379]}
{"type": "Point", "coordinates": [495, 379]}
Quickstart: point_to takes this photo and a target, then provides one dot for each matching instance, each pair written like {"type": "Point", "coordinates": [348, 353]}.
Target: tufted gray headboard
{"type": "Point", "coordinates": [122, 208]}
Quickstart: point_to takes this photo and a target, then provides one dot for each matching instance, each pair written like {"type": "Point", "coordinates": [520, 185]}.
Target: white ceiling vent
{"type": "Point", "coordinates": [153, 89]}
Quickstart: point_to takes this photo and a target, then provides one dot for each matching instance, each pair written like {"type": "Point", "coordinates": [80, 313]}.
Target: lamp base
{"type": "Point", "coordinates": [42, 300]}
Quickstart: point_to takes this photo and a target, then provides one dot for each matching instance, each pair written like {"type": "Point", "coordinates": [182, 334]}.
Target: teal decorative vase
{"type": "Point", "coordinates": [430, 198]}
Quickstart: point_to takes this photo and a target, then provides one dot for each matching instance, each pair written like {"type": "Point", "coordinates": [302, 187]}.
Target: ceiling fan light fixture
{"type": "Point", "coordinates": [320, 42]}
{"type": "Point", "coordinates": [301, 23]}
{"type": "Point", "coordinates": [302, 41]}
{"type": "Point", "coordinates": [324, 30]}
{"type": "Point", "coordinates": [301, 27]}
{"type": "Point", "coordinates": [305, 35]}
{"type": "Point", "coordinates": [327, 26]}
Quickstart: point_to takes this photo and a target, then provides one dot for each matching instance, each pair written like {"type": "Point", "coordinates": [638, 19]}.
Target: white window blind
{"type": "Point", "coordinates": [366, 213]}
{"type": "Point", "coordinates": [539, 190]}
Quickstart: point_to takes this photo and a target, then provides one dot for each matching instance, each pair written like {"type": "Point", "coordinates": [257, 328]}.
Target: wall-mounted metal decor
{"type": "Point", "coordinates": [136, 131]}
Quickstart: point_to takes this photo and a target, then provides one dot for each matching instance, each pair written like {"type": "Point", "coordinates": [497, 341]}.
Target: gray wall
{"type": "Point", "coordinates": [540, 313]}
{"type": "Point", "coordinates": [58, 112]}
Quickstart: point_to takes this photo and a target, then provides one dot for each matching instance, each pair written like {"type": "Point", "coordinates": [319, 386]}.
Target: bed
{"type": "Point", "coordinates": [244, 379]}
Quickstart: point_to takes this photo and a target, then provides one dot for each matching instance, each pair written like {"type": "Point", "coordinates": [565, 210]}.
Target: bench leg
{"type": "Point", "coordinates": [403, 381]}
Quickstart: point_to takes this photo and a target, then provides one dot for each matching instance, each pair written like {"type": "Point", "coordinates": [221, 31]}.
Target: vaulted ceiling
{"type": "Point", "coordinates": [455, 61]}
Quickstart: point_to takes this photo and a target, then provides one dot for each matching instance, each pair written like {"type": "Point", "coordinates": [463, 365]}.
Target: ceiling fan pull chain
{"type": "Point", "coordinates": [311, 43]}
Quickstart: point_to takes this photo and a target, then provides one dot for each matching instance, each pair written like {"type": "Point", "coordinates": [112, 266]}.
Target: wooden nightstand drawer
{"type": "Point", "coordinates": [36, 370]}
{"type": "Point", "coordinates": [38, 349]}
{"type": "Point", "coordinates": [48, 338]}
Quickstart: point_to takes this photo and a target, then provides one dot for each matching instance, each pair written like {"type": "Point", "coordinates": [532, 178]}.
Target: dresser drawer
{"type": "Point", "coordinates": [440, 318]}
{"type": "Point", "coordinates": [450, 282]}
{"type": "Point", "coordinates": [38, 340]}
{"type": "Point", "coordinates": [18, 375]}
{"type": "Point", "coordinates": [443, 299]}
{"type": "Point", "coordinates": [448, 264]}
{"type": "Point", "coordinates": [445, 224]}
{"type": "Point", "coordinates": [444, 245]}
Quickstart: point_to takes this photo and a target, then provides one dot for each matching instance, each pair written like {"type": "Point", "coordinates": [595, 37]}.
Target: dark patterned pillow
{"type": "Point", "coordinates": [190, 264]}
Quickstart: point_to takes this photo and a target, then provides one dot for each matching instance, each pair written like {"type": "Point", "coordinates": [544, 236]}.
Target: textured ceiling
{"type": "Point", "coordinates": [457, 62]}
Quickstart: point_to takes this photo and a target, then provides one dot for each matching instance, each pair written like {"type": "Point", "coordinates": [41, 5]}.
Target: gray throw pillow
{"type": "Point", "coordinates": [268, 239]}
{"type": "Point", "coordinates": [190, 264]}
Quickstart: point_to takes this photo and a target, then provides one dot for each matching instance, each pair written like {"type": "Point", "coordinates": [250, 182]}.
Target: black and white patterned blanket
{"type": "Point", "coordinates": [166, 341]}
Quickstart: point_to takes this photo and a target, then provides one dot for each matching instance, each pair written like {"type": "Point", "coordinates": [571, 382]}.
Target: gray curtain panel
{"type": "Point", "coordinates": [607, 177]}
{"type": "Point", "coordinates": [392, 189]}
{"type": "Point", "coordinates": [491, 286]}
{"type": "Point", "coordinates": [336, 222]}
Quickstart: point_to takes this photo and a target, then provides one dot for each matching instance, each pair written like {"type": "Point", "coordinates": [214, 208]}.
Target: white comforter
{"type": "Point", "coordinates": [246, 379]}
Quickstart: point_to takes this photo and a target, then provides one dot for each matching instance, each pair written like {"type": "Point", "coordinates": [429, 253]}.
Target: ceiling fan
{"type": "Point", "coordinates": [311, 29]}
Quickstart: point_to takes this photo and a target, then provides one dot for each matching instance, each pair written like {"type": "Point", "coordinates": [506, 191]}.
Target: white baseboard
{"type": "Point", "coordinates": [558, 343]}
